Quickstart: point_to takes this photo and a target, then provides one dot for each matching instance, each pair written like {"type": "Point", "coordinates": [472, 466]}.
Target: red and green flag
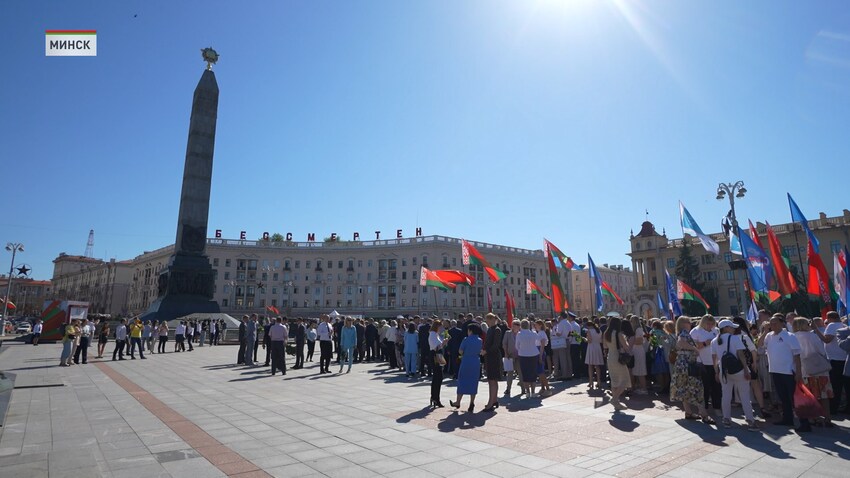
{"type": "Point", "coordinates": [455, 277]}
{"type": "Point", "coordinates": [686, 292]}
{"type": "Point", "coordinates": [429, 278]}
{"type": "Point", "coordinates": [609, 291]}
{"type": "Point", "coordinates": [819, 284]}
{"type": "Point", "coordinates": [471, 255]}
{"type": "Point", "coordinates": [564, 259]}
{"type": "Point", "coordinates": [558, 297]}
{"type": "Point", "coordinates": [532, 288]}
{"type": "Point", "coordinates": [11, 305]}
{"type": "Point", "coordinates": [510, 305]}
{"type": "Point", "coordinates": [784, 278]}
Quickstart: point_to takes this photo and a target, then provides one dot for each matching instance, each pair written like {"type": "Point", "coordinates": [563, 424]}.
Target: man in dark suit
{"type": "Point", "coordinates": [361, 341]}
{"type": "Point", "coordinates": [371, 341]}
{"type": "Point", "coordinates": [337, 336]}
{"type": "Point", "coordinates": [267, 341]}
{"type": "Point", "coordinates": [241, 359]}
{"type": "Point", "coordinates": [299, 332]}
{"type": "Point", "coordinates": [456, 335]}
{"type": "Point", "coordinates": [425, 361]}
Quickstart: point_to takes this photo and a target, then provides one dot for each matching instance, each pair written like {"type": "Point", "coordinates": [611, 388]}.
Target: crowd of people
{"type": "Point", "coordinates": [133, 336]}
{"type": "Point", "coordinates": [704, 363]}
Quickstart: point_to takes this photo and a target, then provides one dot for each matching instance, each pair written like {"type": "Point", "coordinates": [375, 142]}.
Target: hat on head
{"type": "Point", "coordinates": [727, 323]}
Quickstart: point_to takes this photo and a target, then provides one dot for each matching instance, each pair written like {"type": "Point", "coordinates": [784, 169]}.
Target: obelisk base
{"type": "Point", "coordinates": [185, 287]}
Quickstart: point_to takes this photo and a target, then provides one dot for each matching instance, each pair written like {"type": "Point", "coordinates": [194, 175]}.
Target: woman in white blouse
{"type": "Point", "coordinates": [526, 347]}
{"type": "Point", "coordinates": [436, 343]}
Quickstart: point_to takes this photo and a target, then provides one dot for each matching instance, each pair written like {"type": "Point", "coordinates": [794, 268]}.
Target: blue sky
{"type": "Point", "coordinates": [498, 121]}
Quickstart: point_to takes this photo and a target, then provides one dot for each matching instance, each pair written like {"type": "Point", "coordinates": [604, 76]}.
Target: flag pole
{"type": "Point", "coordinates": [799, 256]}
{"type": "Point", "coordinates": [436, 302]}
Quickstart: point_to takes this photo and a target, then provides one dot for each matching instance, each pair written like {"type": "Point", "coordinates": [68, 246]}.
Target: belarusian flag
{"type": "Point", "coordinates": [565, 260]}
{"type": "Point", "coordinates": [558, 297]}
{"type": "Point", "coordinates": [510, 305]}
{"type": "Point", "coordinates": [531, 288]}
{"type": "Point", "coordinates": [785, 280]}
{"type": "Point", "coordinates": [686, 292]}
{"type": "Point", "coordinates": [455, 277]}
{"type": "Point", "coordinates": [471, 255]}
{"type": "Point", "coordinates": [819, 283]}
{"type": "Point", "coordinates": [429, 278]}
{"type": "Point", "coordinates": [607, 290]}
{"type": "Point", "coordinates": [11, 305]}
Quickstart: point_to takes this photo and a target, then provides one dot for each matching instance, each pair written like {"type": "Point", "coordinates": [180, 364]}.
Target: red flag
{"type": "Point", "coordinates": [557, 293]}
{"type": "Point", "coordinates": [509, 304]}
{"type": "Point", "coordinates": [609, 291]}
{"type": "Point", "coordinates": [818, 276]}
{"type": "Point", "coordinates": [754, 234]}
{"type": "Point", "coordinates": [470, 255]}
{"type": "Point", "coordinates": [455, 277]}
{"type": "Point", "coordinates": [532, 288]}
{"type": "Point", "coordinates": [784, 278]}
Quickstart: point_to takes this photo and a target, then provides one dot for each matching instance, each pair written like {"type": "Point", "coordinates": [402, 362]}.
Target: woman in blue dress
{"type": "Point", "coordinates": [470, 366]}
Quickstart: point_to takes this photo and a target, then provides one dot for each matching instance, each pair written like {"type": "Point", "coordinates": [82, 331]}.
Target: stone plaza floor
{"type": "Point", "coordinates": [197, 415]}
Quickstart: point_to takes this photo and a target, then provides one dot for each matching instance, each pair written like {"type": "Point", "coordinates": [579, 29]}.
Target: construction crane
{"type": "Point", "coordinates": [90, 244]}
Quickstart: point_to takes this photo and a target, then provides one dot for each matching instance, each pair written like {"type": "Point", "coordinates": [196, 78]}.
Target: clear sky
{"type": "Point", "coordinates": [497, 121]}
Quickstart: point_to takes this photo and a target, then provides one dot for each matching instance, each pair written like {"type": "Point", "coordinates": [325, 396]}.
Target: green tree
{"type": "Point", "coordinates": [687, 271]}
{"type": "Point", "coordinates": [277, 237]}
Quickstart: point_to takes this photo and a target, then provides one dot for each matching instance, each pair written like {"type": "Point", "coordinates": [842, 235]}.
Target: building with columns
{"type": "Point", "coordinates": [620, 278]}
{"type": "Point", "coordinates": [653, 253]}
{"type": "Point", "coordinates": [103, 284]}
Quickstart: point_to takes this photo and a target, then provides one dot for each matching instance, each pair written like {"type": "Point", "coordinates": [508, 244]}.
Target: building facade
{"type": "Point", "coordinates": [371, 278]}
{"type": "Point", "coordinates": [653, 253]}
{"type": "Point", "coordinates": [103, 284]}
{"type": "Point", "coordinates": [28, 295]}
{"type": "Point", "coordinates": [620, 278]}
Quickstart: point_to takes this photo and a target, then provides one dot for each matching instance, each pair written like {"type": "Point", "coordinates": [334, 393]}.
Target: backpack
{"type": "Point", "coordinates": [730, 362]}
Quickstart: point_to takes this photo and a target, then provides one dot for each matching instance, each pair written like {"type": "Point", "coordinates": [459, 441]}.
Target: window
{"type": "Point", "coordinates": [835, 246]}
{"type": "Point", "coordinates": [413, 274]}
{"type": "Point", "coordinates": [328, 290]}
{"type": "Point", "coordinates": [732, 293]}
{"type": "Point", "coordinates": [454, 262]}
{"type": "Point", "coordinates": [215, 262]}
{"type": "Point", "coordinates": [413, 289]}
{"type": "Point", "coordinates": [275, 277]}
{"type": "Point", "coordinates": [359, 263]}
{"type": "Point", "coordinates": [274, 290]}
{"type": "Point", "coordinates": [226, 289]}
{"type": "Point", "coordinates": [307, 264]}
{"type": "Point", "coordinates": [404, 289]}
{"type": "Point", "coordinates": [789, 251]}
{"type": "Point", "coordinates": [297, 264]}
{"type": "Point", "coordinates": [265, 262]}
{"type": "Point", "coordinates": [277, 263]}
{"type": "Point", "coordinates": [727, 257]}
{"type": "Point", "coordinates": [368, 276]}
{"type": "Point", "coordinates": [403, 275]}
{"type": "Point", "coordinates": [709, 276]}
{"type": "Point", "coordinates": [671, 263]}
{"type": "Point", "coordinates": [637, 246]}
{"type": "Point", "coordinates": [224, 303]}
{"type": "Point", "coordinates": [403, 262]}
{"type": "Point", "coordinates": [227, 276]}
{"type": "Point", "coordinates": [730, 275]}
{"type": "Point", "coordinates": [295, 290]}
{"type": "Point", "coordinates": [338, 265]}
{"type": "Point", "coordinates": [706, 259]}
{"type": "Point", "coordinates": [414, 261]}
{"type": "Point", "coordinates": [227, 263]}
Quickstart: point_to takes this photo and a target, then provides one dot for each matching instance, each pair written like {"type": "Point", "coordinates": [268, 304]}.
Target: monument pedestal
{"type": "Point", "coordinates": [185, 287]}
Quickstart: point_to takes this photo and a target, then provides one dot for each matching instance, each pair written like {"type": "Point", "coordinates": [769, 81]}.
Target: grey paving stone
{"type": "Point", "coordinates": [176, 455]}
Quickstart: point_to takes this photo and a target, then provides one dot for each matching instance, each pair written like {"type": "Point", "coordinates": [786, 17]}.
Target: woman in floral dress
{"type": "Point", "coordinates": [685, 388]}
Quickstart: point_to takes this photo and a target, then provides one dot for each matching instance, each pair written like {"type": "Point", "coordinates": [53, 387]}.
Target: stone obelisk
{"type": "Point", "coordinates": [186, 286]}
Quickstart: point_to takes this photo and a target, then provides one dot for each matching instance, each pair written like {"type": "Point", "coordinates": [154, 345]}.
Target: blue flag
{"type": "Point", "coordinates": [690, 226]}
{"type": "Point", "coordinates": [672, 296]}
{"type": "Point", "coordinates": [662, 310]}
{"type": "Point", "coordinates": [597, 282]}
{"type": "Point", "coordinates": [797, 216]}
{"type": "Point", "coordinates": [758, 263]}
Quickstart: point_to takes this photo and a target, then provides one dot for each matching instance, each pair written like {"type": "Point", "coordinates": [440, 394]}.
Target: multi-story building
{"type": "Point", "coordinates": [373, 278]}
{"type": "Point", "coordinates": [103, 284]}
{"type": "Point", "coordinates": [28, 295]}
{"type": "Point", "coordinates": [583, 292]}
{"type": "Point", "coordinates": [653, 253]}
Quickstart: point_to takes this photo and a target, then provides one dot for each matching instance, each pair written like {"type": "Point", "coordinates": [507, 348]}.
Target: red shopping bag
{"type": "Point", "coordinates": [805, 404]}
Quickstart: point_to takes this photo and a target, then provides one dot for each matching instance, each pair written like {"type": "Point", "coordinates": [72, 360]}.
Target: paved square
{"type": "Point", "coordinates": [196, 414]}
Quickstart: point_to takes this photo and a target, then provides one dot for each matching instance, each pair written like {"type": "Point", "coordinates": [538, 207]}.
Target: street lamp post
{"type": "Point", "coordinates": [14, 247]}
{"type": "Point", "coordinates": [732, 191]}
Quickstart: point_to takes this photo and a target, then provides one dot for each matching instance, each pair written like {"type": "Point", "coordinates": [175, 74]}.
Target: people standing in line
{"type": "Point", "coordinates": [67, 344]}
{"type": "Point", "coordinates": [102, 339]}
{"type": "Point", "coordinates": [492, 352]}
{"type": "Point", "coordinates": [312, 336]}
{"type": "Point", "coordinates": [250, 339]}
{"type": "Point", "coordinates": [436, 345]}
{"type": "Point", "coordinates": [561, 358]}
{"type": "Point", "coordinates": [190, 335]}
{"type": "Point", "coordinates": [348, 343]}
{"type": "Point", "coordinates": [163, 337]}
{"type": "Point", "coordinates": [616, 342]}
{"type": "Point", "coordinates": [783, 356]}
{"type": "Point", "coordinates": [593, 356]}
{"type": "Point", "coordinates": [325, 334]}
{"type": "Point", "coordinates": [837, 359]}
{"type": "Point", "coordinates": [703, 335]}
{"type": "Point", "coordinates": [815, 365]}
{"type": "Point", "coordinates": [529, 353]}
{"type": "Point", "coordinates": [470, 367]}
{"type": "Point", "coordinates": [36, 331]}
{"type": "Point", "coordinates": [300, 336]}
{"type": "Point", "coordinates": [371, 336]}
{"type": "Point", "coordinates": [278, 335]}
{"type": "Point", "coordinates": [509, 351]}
{"type": "Point", "coordinates": [120, 340]}
{"type": "Point", "coordinates": [685, 386]}
{"type": "Point", "coordinates": [732, 372]}
{"type": "Point", "coordinates": [243, 326]}
{"type": "Point", "coordinates": [136, 330]}
{"type": "Point", "coordinates": [411, 349]}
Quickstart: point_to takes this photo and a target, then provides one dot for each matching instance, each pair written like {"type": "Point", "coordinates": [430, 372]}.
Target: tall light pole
{"type": "Point", "coordinates": [732, 191]}
{"type": "Point", "coordinates": [14, 247]}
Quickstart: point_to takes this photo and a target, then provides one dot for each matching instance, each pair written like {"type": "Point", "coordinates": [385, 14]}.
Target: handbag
{"type": "Point", "coordinates": [439, 359]}
{"type": "Point", "coordinates": [815, 365]}
{"type": "Point", "coordinates": [694, 369]}
{"type": "Point", "coordinates": [508, 364]}
{"type": "Point", "coordinates": [805, 404]}
{"type": "Point", "coordinates": [625, 358]}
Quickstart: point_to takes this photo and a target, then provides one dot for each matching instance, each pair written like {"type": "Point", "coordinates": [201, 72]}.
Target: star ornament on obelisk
{"type": "Point", "coordinates": [187, 284]}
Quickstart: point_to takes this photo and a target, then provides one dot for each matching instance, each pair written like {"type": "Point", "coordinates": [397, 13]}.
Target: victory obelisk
{"type": "Point", "coordinates": [186, 286]}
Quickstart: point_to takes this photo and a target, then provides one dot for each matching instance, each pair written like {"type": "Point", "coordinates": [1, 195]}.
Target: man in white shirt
{"type": "Point", "coordinates": [561, 349]}
{"type": "Point", "coordinates": [783, 356]}
{"type": "Point", "coordinates": [325, 333]}
{"type": "Point", "coordinates": [837, 357]}
{"type": "Point", "coordinates": [702, 336]}
{"type": "Point", "coordinates": [120, 339]}
{"type": "Point", "coordinates": [574, 345]}
{"type": "Point", "coordinates": [278, 334]}
{"type": "Point", "coordinates": [36, 331]}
